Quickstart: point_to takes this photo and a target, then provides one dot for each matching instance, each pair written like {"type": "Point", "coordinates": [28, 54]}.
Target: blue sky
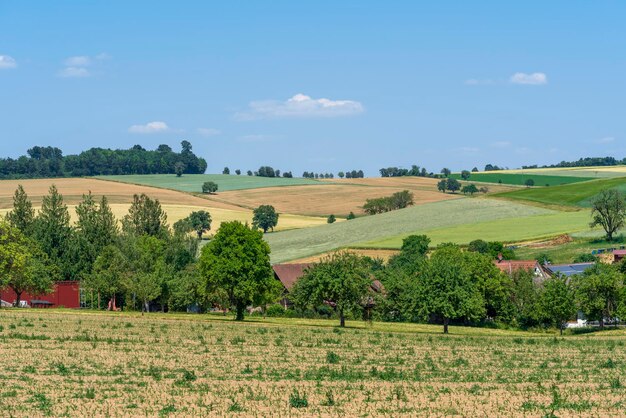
{"type": "Point", "coordinates": [318, 85]}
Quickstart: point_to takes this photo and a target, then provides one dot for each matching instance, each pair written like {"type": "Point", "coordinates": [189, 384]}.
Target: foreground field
{"type": "Point", "coordinates": [292, 245]}
{"type": "Point", "coordinates": [82, 364]}
{"type": "Point", "coordinates": [193, 182]}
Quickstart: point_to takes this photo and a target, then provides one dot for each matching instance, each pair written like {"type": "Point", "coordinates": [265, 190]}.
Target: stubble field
{"type": "Point", "coordinates": [86, 364]}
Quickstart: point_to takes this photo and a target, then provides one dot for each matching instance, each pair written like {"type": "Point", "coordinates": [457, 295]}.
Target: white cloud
{"type": "Point", "coordinates": [300, 106]}
{"type": "Point", "coordinates": [468, 149]}
{"type": "Point", "coordinates": [530, 79]}
{"type": "Point", "coordinates": [78, 61]}
{"type": "Point", "coordinates": [208, 131]}
{"type": "Point", "coordinates": [478, 82]}
{"type": "Point", "coordinates": [7, 62]}
{"type": "Point", "coordinates": [149, 128]}
{"type": "Point", "coordinates": [74, 72]}
{"type": "Point", "coordinates": [102, 56]}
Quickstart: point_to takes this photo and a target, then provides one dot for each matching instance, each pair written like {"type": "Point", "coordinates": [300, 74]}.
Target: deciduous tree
{"type": "Point", "coordinates": [608, 210]}
{"type": "Point", "coordinates": [265, 217]}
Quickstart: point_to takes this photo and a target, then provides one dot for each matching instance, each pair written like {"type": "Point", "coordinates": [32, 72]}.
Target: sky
{"type": "Point", "coordinates": [319, 85]}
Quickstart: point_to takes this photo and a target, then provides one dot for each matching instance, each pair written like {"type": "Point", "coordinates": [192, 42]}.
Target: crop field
{"type": "Point", "coordinates": [297, 244]}
{"type": "Point", "coordinates": [506, 230]}
{"type": "Point", "coordinates": [594, 172]}
{"type": "Point", "coordinates": [193, 182]}
{"type": "Point", "coordinates": [579, 194]}
{"type": "Point", "coordinates": [73, 189]}
{"type": "Point", "coordinates": [323, 200]}
{"type": "Point", "coordinates": [519, 179]}
{"type": "Point", "coordinates": [82, 364]}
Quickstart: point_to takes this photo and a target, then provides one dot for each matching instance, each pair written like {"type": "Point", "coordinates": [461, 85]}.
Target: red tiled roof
{"type": "Point", "coordinates": [509, 266]}
{"type": "Point", "coordinates": [288, 274]}
{"type": "Point", "coordinates": [619, 252]}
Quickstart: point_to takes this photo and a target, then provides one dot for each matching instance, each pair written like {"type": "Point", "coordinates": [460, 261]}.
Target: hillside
{"type": "Point", "coordinates": [578, 194]}
{"type": "Point", "coordinates": [296, 244]}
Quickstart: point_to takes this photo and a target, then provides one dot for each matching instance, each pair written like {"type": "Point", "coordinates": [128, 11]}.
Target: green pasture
{"type": "Point", "coordinates": [513, 229]}
{"type": "Point", "coordinates": [295, 244]}
{"type": "Point", "coordinates": [193, 182]}
{"type": "Point", "coordinates": [519, 179]}
{"type": "Point", "coordinates": [578, 194]}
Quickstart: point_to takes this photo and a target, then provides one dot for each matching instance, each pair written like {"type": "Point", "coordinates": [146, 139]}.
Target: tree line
{"type": "Point", "coordinates": [582, 162]}
{"type": "Point", "coordinates": [47, 162]}
{"type": "Point", "coordinates": [398, 200]}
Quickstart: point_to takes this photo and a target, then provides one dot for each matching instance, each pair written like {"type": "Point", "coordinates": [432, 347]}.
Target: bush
{"type": "Point", "coordinates": [298, 401]}
{"type": "Point", "coordinates": [275, 310]}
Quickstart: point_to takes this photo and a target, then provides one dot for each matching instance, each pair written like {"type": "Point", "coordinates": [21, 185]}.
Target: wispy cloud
{"type": "Point", "coordinates": [208, 131]}
{"type": "Point", "coordinates": [76, 66]}
{"type": "Point", "coordinates": [529, 78]}
{"type": "Point", "coordinates": [479, 82]}
{"type": "Point", "coordinates": [300, 106]}
{"type": "Point", "coordinates": [74, 72]}
{"type": "Point", "coordinates": [149, 128]}
{"type": "Point", "coordinates": [7, 62]}
{"type": "Point", "coordinates": [468, 149]}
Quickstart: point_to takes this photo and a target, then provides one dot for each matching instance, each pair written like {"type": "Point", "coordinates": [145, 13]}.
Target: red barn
{"type": "Point", "coordinates": [64, 294]}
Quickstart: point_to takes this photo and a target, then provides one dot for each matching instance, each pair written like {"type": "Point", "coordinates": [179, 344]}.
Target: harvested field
{"type": "Point", "coordinates": [408, 183]}
{"type": "Point", "coordinates": [323, 200]}
{"type": "Point", "coordinates": [88, 364]}
{"type": "Point", "coordinates": [218, 215]}
{"type": "Point", "coordinates": [73, 189]}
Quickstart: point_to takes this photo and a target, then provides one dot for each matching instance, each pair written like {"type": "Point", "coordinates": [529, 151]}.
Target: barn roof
{"type": "Point", "coordinates": [510, 266]}
{"type": "Point", "coordinates": [288, 274]}
{"type": "Point", "coordinates": [568, 269]}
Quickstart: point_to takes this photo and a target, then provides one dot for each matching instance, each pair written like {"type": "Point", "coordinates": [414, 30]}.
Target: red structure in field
{"type": "Point", "coordinates": [65, 294]}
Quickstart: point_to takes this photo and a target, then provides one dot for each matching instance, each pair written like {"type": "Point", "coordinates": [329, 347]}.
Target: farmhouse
{"type": "Point", "coordinates": [511, 266]}
{"type": "Point", "coordinates": [64, 294]}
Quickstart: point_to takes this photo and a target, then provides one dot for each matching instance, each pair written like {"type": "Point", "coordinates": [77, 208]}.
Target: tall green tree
{"type": "Point", "coordinates": [265, 217]}
{"type": "Point", "coordinates": [453, 185]}
{"type": "Point", "coordinates": [447, 289]}
{"type": "Point", "coordinates": [23, 215]}
{"type": "Point", "coordinates": [608, 210]}
{"type": "Point", "coordinates": [209, 187]}
{"type": "Point", "coordinates": [52, 229]}
{"type": "Point", "coordinates": [237, 262]}
{"type": "Point", "coordinates": [598, 292]}
{"type": "Point", "coordinates": [108, 275]}
{"type": "Point", "coordinates": [145, 217]}
{"type": "Point", "coordinates": [147, 268]}
{"type": "Point", "coordinates": [558, 301]}
{"type": "Point", "coordinates": [200, 222]}
{"type": "Point", "coordinates": [344, 279]}
{"type": "Point", "coordinates": [442, 185]}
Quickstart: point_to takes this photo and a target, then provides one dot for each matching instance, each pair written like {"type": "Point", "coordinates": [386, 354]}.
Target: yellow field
{"type": "Point", "coordinates": [384, 255]}
{"type": "Point", "coordinates": [218, 215]}
{"type": "Point", "coordinates": [97, 365]}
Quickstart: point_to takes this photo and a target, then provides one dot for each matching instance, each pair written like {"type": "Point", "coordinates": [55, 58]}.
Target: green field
{"type": "Point", "coordinates": [71, 363]}
{"type": "Point", "coordinates": [295, 244]}
{"type": "Point", "coordinates": [579, 194]}
{"type": "Point", "coordinates": [519, 179]}
{"type": "Point", "coordinates": [193, 182]}
{"type": "Point", "coordinates": [507, 230]}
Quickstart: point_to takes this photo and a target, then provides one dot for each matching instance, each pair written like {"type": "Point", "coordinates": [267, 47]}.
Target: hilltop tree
{"type": "Point", "coordinates": [475, 170]}
{"type": "Point", "coordinates": [465, 174]}
{"type": "Point", "coordinates": [442, 185]}
{"type": "Point", "coordinates": [341, 174]}
{"type": "Point", "coordinates": [469, 189]}
{"type": "Point", "coordinates": [331, 219]}
{"type": "Point", "coordinates": [453, 185]}
{"type": "Point", "coordinates": [179, 168]}
{"type": "Point", "coordinates": [237, 262]}
{"type": "Point", "coordinates": [558, 301]}
{"type": "Point", "coordinates": [200, 222]}
{"type": "Point", "coordinates": [226, 170]}
{"type": "Point", "coordinates": [209, 187]}
{"type": "Point", "coordinates": [265, 217]}
{"type": "Point", "coordinates": [446, 172]}
{"type": "Point", "coordinates": [344, 279]}
{"type": "Point", "coordinates": [145, 217]}
{"type": "Point", "coordinates": [22, 216]}
{"type": "Point", "coordinates": [608, 210]}
{"type": "Point", "coordinates": [238, 172]}
{"type": "Point", "coordinates": [529, 183]}
{"type": "Point", "coordinates": [350, 216]}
